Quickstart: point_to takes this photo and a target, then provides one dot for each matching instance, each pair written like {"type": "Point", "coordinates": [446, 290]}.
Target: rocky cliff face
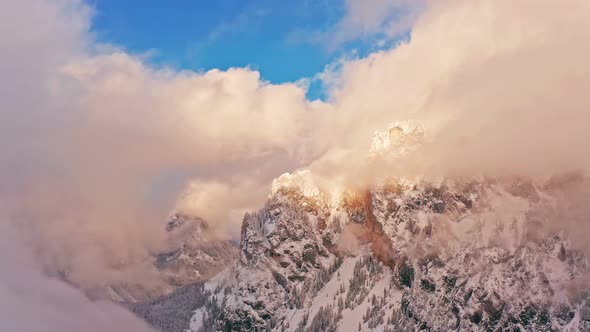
{"type": "Point", "coordinates": [473, 254]}
{"type": "Point", "coordinates": [195, 255]}
{"type": "Point", "coordinates": [283, 261]}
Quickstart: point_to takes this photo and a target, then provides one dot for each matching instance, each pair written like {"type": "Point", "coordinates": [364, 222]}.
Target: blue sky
{"type": "Point", "coordinates": [271, 36]}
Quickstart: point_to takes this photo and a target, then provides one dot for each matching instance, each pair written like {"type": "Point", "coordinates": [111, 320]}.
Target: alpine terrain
{"type": "Point", "coordinates": [463, 254]}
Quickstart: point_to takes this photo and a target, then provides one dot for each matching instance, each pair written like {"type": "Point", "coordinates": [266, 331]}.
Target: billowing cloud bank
{"type": "Point", "coordinates": [31, 302]}
{"type": "Point", "coordinates": [499, 85]}
{"type": "Point", "coordinates": [97, 146]}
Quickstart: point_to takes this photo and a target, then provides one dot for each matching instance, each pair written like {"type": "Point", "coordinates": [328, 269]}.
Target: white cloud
{"type": "Point", "coordinates": [500, 83]}
{"type": "Point", "coordinates": [88, 132]}
{"type": "Point", "coordinates": [32, 302]}
{"type": "Point", "coordinates": [386, 19]}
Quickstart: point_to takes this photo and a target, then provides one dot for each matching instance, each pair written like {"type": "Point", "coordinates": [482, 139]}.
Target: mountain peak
{"type": "Point", "coordinates": [300, 180]}
{"type": "Point", "coordinates": [399, 139]}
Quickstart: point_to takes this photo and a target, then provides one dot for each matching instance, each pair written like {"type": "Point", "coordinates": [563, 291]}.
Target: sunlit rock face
{"type": "Point", "coordinates": [399, 139]}
{"type": "Point", "coordinates": [461, 254]}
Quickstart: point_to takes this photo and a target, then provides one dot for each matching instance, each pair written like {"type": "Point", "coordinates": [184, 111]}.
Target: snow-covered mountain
{"type": "Point", "coordinates": [196, 252]}
{"type": "Point", "coordinates": [473, 254]}
{"type": "Point", "coordinates": [195, 255]}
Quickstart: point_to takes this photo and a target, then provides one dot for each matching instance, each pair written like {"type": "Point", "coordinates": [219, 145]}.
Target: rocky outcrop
{"type": "Point", "coordinates": [195, 254]}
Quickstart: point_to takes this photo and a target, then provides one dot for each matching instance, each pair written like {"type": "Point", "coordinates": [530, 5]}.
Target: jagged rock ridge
{"type": "Point", "coordinates": [195, 254]}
